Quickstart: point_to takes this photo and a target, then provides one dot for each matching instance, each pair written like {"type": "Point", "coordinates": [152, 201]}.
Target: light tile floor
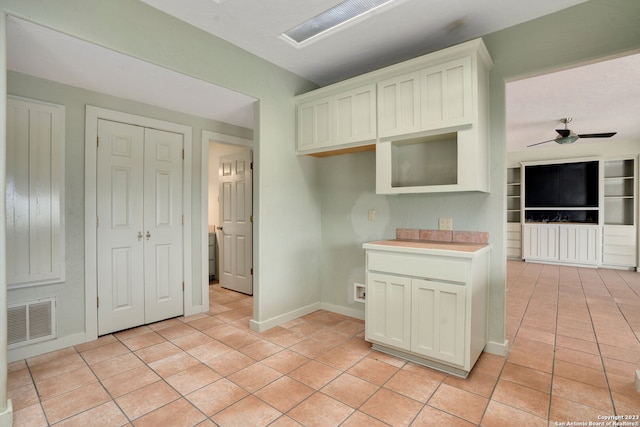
{"type": "Point", "coordinates": [575, 349]}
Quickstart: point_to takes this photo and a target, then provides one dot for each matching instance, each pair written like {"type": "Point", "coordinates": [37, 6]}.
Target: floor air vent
{"type": "Point", "coordinates": [31, 322]}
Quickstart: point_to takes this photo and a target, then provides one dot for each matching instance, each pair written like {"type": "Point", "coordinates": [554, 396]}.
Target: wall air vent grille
{"type": "Point", "coordinates": [31, 322]}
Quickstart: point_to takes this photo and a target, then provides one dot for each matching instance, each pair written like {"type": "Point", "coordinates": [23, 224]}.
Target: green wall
{"type": "Point", "coordinates": [71, 294]}
{"type": "Point", "coordinates": [286, 204]}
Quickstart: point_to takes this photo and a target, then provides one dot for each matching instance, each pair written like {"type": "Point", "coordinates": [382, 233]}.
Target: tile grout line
{"type": "Point", "coordinates": [604, 368]}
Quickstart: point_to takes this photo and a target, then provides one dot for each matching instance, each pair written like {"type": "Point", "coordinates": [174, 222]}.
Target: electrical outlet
{"type": "Point", "coordinates": [372, 215]}
{"type": "Point", "coordinates": [445, 224]}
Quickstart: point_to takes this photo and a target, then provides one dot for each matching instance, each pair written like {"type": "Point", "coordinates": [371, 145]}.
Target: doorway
{"type": "Point", "coordinates": [216, 146]}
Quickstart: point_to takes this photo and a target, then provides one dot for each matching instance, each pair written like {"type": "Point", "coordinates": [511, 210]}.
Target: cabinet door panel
{"type": "Point", "coordinates": [540, 242]}
{"type": "Point", "coordinates": [447, 95]}
{"type": "Point", "coordinates": [438, 318]}
{"type": "Point", "coordinates": [399, 105]}
{"type": "Point", "coordinates": [356, 115]}
{"type": "Point", "coordinates": [314, 124]}
{"type": "Point", "coordinates": [578, 244]}
{"type": "Point", "coordinates": [388, 310]}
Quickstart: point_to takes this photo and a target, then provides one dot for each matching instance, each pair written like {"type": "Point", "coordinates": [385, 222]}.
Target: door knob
{"type": "Point", "coordinates": [218, 228]}
{"type": "Point", "coordinates": [139, 235]}
{"type": "Point", "coordinates": [148, 235]}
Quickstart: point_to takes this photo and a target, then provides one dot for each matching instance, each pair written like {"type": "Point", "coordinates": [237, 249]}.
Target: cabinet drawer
{"type": "Point", "coordinates": [616, 259]}
{"type": "Point", "coordinates": [418, 266]}
{"type": "Point", "coordinates": [619, 239]}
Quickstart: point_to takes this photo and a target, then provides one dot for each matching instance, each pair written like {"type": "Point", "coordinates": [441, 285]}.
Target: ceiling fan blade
{"type": "Point", "coordinates": [563, 132]}
{"type": "Point", "coordinates": [543, 142]}
{"type": "Point", "coordinates": [598, 135]}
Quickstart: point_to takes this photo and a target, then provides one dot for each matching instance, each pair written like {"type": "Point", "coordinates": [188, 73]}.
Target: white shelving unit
{"type": "Point", "coordinates": [619, 240]}
{"type": "Point", "coordinates": [514, 209]}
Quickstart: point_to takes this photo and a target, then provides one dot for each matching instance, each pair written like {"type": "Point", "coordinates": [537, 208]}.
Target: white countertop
{"type": "Point", "coordinates": [427, 247]}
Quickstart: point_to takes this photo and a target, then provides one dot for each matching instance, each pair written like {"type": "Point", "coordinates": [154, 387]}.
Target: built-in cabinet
{"type": "Point", "coordinates": [427, 305]}
{"type": "Point", "coordinates": [35, 193]}
{"type": "Point", "coordinates": [343, 120]}
{"type": "Point", "coordinates": [607, 237]}
{"type": "Point", "coordinates": [426, 118]}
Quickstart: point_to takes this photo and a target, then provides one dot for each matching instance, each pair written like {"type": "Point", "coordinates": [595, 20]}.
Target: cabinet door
{"type": "Point", "coordinates": [540, 242]}
{"type": "Point", "coordinates": [315, 124]}
{"type": "Point", "coordinates": [578, 244]}
{"type": "Point", "coordinates": [438, 316]}
{"type": "Point", "coordinates": [447, 94]}
{"type": "Point", "coordinates": [355, 118]}
{"type": "Point", "coordinates": [388, 310]}
{"type": "Point", "coordinates": [399, 105]}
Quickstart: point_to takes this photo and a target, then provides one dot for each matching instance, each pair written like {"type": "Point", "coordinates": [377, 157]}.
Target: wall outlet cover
{"type": "Point", "coordinates": [445, 224]}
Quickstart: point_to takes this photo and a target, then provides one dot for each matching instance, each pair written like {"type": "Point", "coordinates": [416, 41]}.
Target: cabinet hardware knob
{"type": "Point", "coordinates": [139, 235]}
{"type": "Point", "coordinates": [148, 235]}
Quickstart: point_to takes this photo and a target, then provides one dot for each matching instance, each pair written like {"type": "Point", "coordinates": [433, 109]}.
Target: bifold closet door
{"type": "Point", "coordinates": [163, 225]}
{"type": "Point", "coordinates": [139, 226]}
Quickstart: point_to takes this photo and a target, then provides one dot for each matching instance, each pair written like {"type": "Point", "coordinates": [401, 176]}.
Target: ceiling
{"type": "Point", "coordinates": [362, 45]}
{"type": "Point", "coordinates": [600, 97]}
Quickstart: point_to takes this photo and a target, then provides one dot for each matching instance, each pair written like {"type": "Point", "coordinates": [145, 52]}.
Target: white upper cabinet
{"type": "Point", "coordinates": [399, 105]}
{"type": "Point", "coordinates": [427, 119]}
{"type": "Point", "coordinates": [315, 124]}
{"type": "Point", "coordinates": [340, 121]}
{"type": "Point", "coordinates": [355, 118]}
{"type": "Point", "coordinates": [447, 94]}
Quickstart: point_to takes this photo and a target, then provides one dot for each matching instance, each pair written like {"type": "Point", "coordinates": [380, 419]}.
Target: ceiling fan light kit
{"type": "Point", "coordinates": [565, 136]}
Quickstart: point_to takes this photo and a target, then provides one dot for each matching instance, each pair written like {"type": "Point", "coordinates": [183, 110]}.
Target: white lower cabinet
{"type": "Point", "coordinates": [561, 243]}
{"type": "Point", "coordinates": [389, 302]}
{"type": "Point", "coordinates": [428, 306]}
{"type": "Point", "coordinates": [579, 244]}
{"type": "Point", "coordinates": [438, 316]}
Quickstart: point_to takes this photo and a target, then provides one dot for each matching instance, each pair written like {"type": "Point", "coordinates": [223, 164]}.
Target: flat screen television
{"type": "Point", "coordinates": [562, 185]}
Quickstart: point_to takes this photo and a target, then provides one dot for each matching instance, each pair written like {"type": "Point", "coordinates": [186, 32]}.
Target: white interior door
{"type": "Point", "coordinates": [120, 225]}
{"type": "Point", "coordinates": [162, 225]}
{"type": "Point", "coordinates": [139, 237]}
{"type": "Point", "coordinates": [236, 237]}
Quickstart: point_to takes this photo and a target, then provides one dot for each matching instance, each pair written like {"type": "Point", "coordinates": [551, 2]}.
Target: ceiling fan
{"type": "Point", "coordinates": [565, 136]}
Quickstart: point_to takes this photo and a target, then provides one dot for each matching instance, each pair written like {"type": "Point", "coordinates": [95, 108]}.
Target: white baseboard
{"type": "Point", "coordinates": [345, 311]}
{"type": "Point", "coordinates": [28, 351]}
{"type": "Point", "coordinates": [6, 416]}
{"type": "Point", "coordinates": [286, 317]}
{"type": "Point", "coordinates": [499, 349]}
{"type": "Point", "coordinates": [283, 318]}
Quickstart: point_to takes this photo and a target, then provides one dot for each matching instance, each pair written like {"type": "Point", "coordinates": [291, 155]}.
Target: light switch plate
{"type": "Point", "coordinates": [445, 224]}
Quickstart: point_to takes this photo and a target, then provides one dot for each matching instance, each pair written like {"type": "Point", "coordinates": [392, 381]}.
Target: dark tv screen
{"type": "Point", "coordinates": [570, 185]}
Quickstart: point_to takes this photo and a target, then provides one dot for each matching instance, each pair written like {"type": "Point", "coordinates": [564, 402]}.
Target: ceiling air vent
{"type": "Point", "coordinates": [31, 322]}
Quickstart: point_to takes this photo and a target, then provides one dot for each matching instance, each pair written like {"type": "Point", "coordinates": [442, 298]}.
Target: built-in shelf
{"type": "Point", "coordinates": [619, 192]}
{"type": "Point", "coordinates": [514, 192]}
{"type": "Point", "coordinates": [411, 165]}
